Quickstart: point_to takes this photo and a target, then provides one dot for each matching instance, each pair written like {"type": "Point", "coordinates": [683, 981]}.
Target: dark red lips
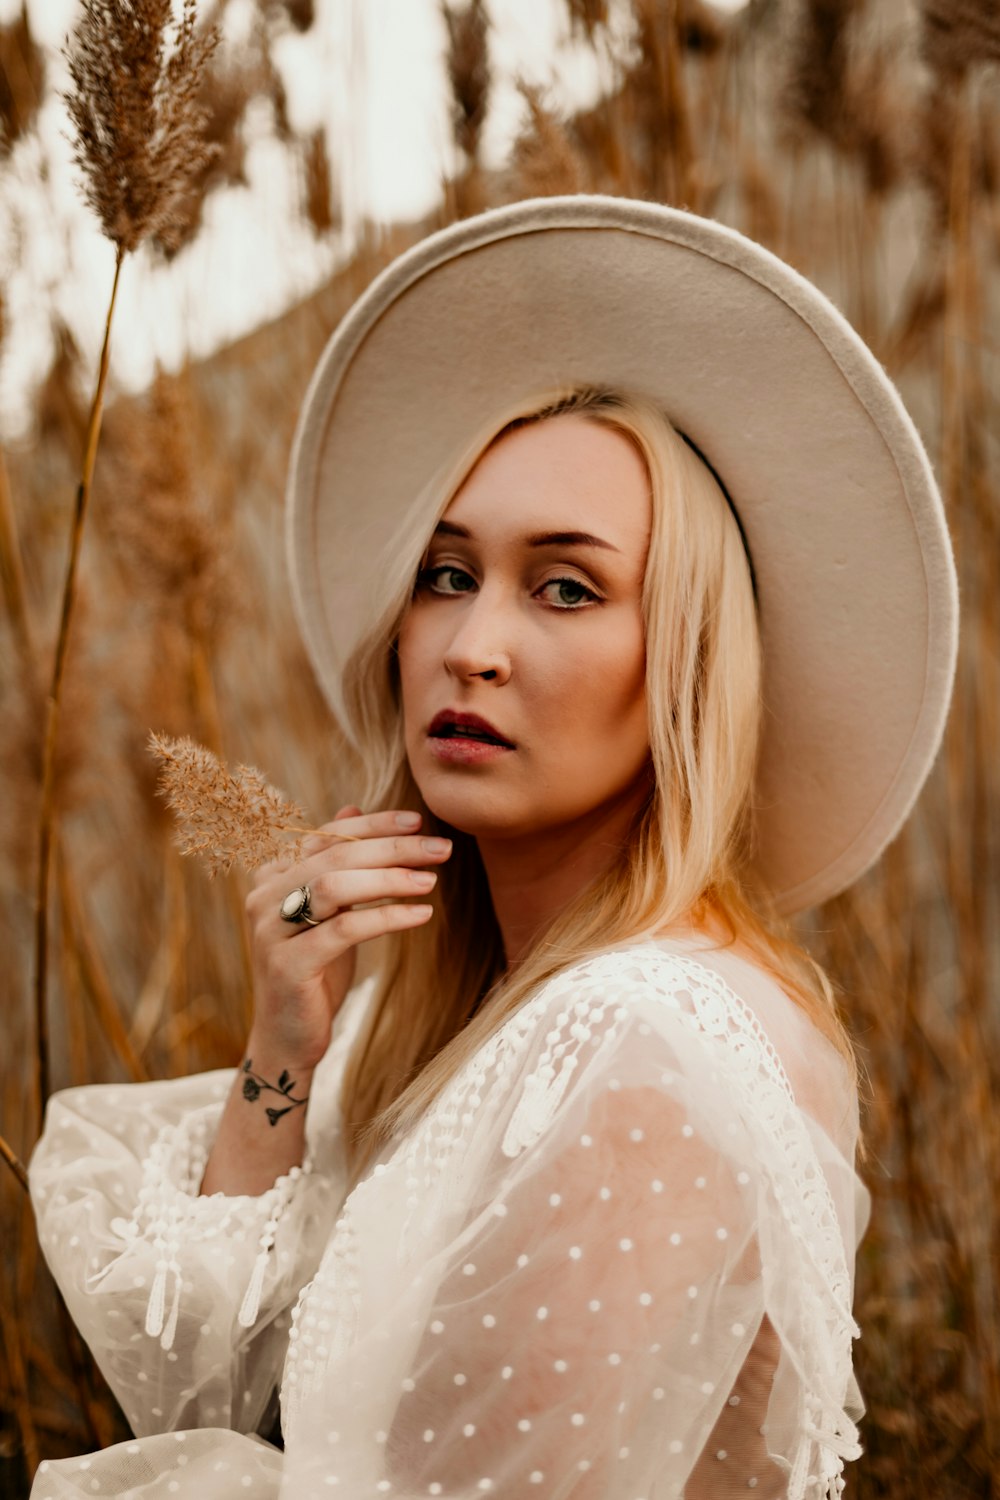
{"type": "Point", "coordinates": [444, 723]}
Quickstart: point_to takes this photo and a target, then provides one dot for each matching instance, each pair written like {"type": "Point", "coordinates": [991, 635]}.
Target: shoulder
{"type": "Point", "coordinates": [722, 997]}
{"type": "Point", "coordinates": [706, 1020]}
{"type": "Point", "coordinates": [694, 1039]}
{"type": "Point", "coordinates": [644, 1021]}
{"type": "Point", "coordinates": [663, 988]}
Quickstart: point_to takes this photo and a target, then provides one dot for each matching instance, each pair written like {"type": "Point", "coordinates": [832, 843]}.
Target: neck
{"type": "Point", "coordinates": [535, 876]}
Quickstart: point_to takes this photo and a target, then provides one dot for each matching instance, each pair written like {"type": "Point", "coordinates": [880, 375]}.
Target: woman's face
{"type": "Point", "coordinates": [527, 613]}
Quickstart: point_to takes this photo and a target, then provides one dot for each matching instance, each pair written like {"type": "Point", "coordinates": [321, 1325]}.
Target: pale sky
{"type": "Point", "coordinates": [372, 71]}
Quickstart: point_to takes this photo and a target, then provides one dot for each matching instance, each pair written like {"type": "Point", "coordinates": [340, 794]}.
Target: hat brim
{"type": "Point", "coordinates": [837, 501]}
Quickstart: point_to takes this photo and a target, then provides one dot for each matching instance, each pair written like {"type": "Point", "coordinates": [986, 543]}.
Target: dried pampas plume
{"type": "Point", "coordinates": [139, 126]}
{"type": "Point", "coordinates": [468, 62]}
{"type": "Point", "coordinates": [224, 815]}
{"type": "Point", "coordinates": [958, 34]}
{"type": "Point", "coordinates": [544, 160]}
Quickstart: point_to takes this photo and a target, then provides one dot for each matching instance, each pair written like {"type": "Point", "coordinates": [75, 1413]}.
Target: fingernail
{"type": "Point", "coordinates": [408, 820]}
{"type": "Point", "coordinates": [436, 846]}
{"type": "Point", "coordinates": [424, 879]}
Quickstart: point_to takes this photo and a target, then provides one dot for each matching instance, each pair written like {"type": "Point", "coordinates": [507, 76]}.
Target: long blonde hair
{"type": "Point", "coordinates": [442, 989]}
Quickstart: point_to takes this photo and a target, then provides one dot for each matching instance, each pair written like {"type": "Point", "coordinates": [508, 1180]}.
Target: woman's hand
{"type": "Point", "coordinates": [302, 974]}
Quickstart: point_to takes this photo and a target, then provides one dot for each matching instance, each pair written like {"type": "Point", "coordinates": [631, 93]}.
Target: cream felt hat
{"type": "Point", "coordinates": [839, 508]}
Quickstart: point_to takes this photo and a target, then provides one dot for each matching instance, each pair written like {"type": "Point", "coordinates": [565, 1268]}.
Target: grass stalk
{"type": "Point", "coordinates": [94, 981]}
{"type": "Point", "coordinates": [14, 1162]}
{"type": "Point", "coordinates": [12, 568]}
{"type": "Point", "coordinates": [207, 707]}
{"type": "Point", "coordinates": [46, 817]}
{"type": "Point", "coordinates": [10, 1332]}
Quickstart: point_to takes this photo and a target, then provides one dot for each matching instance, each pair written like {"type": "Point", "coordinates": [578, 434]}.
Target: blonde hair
{"type": "Point", "coordinates": [442, 989]}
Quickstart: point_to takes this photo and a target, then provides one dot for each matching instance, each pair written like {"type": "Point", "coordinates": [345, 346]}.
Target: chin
{"type": "Point", "coordinates": [479, 811]}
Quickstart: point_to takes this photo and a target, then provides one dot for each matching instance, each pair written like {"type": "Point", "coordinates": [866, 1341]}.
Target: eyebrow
{"type": "Point", "coordinates": [535, 539]}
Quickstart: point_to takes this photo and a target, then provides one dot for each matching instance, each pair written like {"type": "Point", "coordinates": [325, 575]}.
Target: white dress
{"type": "Point", "coordinates": [614, 1261]}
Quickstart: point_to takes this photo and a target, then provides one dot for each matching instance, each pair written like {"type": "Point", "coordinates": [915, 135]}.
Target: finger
{"type": "Point", "coordinates": [413, 851]}
{"type": "Point", "coordinates": [358, 825]}
{"type": "Point", "coordinates": [273, 882]}
{"type": "Point", "coordinates": [335, 890]}
{"type": "Point", "coordinates": [321, 945]}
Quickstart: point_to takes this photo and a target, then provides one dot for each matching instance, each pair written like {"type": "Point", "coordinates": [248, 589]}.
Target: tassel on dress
{"type": "Point", "coordinates": [167, 1341]}
{"type": "Point", "coordinates": [250, 1305]}
{"type": "Point", "coordinates": [154, 1308]}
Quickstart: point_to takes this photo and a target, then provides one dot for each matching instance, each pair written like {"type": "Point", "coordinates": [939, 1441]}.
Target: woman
{"type": "Point", "coordinates": [562, 1200]}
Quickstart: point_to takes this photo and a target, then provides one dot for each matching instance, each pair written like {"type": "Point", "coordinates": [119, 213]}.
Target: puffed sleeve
{"type": "Point", "coordinates": [589, 1298]}
{"type": "Point", "coordinates": [183, 1299]}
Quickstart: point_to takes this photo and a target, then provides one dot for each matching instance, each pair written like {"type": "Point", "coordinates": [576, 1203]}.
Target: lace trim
{"type": "Point", "coordinates": [717, 1014]}
{"type": "Point", "coordinates": [594, 991]}
{"type": "Point", "coordinates": [439, 1157]}
{"type": "Point", "coordinates": [169, 1209]}
{"type": "Point", "coordinates": [324, 1321]}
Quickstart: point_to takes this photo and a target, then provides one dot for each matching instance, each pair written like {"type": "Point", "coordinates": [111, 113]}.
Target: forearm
{"type": "Point", "coordinates": [262, 1131]}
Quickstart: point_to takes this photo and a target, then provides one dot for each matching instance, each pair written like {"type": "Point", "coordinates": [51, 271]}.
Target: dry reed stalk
{"type": "Point", "coordinates": [47, 804]}
{"type": "Point", "coordinates": [12, 569]}
{"type": "Point", "coordinates": [957, 34]}
{"type": "Point", "coordinates": [22, 72]}
{"type": "Point", "coordinates": [207, 709]}
{"type": "Point", "coordinates": [47, 1420]}
{"type": "Point", "coordinates": [587, 17]}
{"type": "Point", "coordinates": [182, 942]}
{"type": "Point", "coordinates": [320, 201]}
{"type": "Point", "coordinates": [41, 1360]}
{"type": "Point", "coordinates": [469, 75]}
{"type": "Point", "coordinates": [19, 1388]}
{"type": "Point", "coordinates": [185, 1023]}
{"type": "Point", "coordinates": [74, 1006]}
{"type": "Point", "coordinates": [164, 964]}
{"type": "Point", "coordinates": [138, 143]}
{"type": "Point", "coordinates": [659, 86]}
{"type": "Point", "coordinates": [14, 1162]}
{"type": "Point", "coordinates": [958, 297]}
{"type": "Point", "coordinates": [544, 161]}
{"type": "Point", "coordinates": [91, 977]}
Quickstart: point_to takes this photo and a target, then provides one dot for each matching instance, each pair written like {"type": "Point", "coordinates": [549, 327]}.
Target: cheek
{"type": "Point", "coordinates": [625, 698]}
{"type": "Point", "coordinates": [412, 652]}
{"type": "Point", "coordinates": [408, 666]}
{"type": "Point", "coordinates": [606, 678]}
{"type": "Point", "coordinates": [593, 708]}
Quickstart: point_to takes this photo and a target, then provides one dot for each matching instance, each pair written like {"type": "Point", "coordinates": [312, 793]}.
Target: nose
{"type": "Point", "coordinates": [478, 646]}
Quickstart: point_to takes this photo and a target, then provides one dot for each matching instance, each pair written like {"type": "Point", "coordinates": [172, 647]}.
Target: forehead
{"type": "Point", "coordinates": [562, 474]}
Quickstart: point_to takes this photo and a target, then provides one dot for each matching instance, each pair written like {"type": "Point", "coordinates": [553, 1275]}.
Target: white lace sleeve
{"type": "Point", "coordinates": [607, 1266]}
{"type": "Point", "coordinates": [182, 1299]}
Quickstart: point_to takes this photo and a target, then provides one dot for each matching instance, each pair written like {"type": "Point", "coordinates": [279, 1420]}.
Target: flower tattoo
{"type": "Point", "coordinates": [254, 1085]}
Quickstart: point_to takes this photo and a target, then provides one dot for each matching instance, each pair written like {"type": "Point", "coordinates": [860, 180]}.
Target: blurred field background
{"type": "Point", "coordinates": [858, 139]}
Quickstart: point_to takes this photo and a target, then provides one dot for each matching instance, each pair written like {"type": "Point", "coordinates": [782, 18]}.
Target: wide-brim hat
{"type": "Point", "coordinates": [838, 505]}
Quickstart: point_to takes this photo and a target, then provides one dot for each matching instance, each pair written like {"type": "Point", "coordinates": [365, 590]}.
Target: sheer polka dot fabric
{"type": "Point", "coordinates": [613, 1262]}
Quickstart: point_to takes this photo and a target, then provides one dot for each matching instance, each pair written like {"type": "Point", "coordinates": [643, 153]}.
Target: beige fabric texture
{"type": "Point", "coordinates": [835, 494]}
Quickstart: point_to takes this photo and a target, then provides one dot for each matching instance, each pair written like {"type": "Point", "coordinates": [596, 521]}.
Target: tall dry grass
{"type": "Point", "coordinates": [861, 142]}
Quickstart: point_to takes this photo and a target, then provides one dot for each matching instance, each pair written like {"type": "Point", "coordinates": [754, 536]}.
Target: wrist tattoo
{"type": "Point", "coordinates": [254, 1085]}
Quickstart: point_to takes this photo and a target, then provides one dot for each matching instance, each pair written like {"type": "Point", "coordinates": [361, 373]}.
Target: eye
{"type": "Point", "coordinates": [445, 579]}
{"type": "Point", "coordinates": [570, 593]}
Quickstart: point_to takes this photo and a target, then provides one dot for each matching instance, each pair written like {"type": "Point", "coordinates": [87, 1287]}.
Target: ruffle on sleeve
{"type": "Point", "coordinates": [184, 1299]}
{"type": "Point", "coordinates": [169, 1213]}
